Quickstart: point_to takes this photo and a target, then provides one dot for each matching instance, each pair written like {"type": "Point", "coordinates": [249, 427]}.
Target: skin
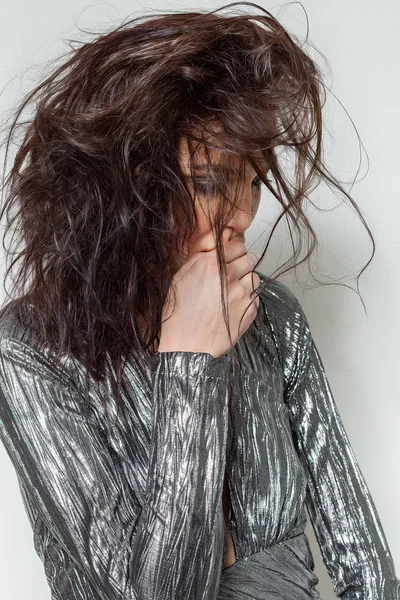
{"type": "Point", "coordinates": [247, 206]}
{"type": "Point", "coordinates": [250, 196]}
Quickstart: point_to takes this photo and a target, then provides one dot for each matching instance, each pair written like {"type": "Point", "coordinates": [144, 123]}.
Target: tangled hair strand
{"type": "Point", "coordinates": [96, 186]}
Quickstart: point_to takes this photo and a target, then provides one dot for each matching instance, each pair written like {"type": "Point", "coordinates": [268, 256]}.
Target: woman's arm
{"type": "Point", "coordinates": [170, 548]}
{"type": "Point", "coordinates": [342, 512]}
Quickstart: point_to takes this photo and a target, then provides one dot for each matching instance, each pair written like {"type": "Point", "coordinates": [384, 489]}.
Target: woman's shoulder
{"type": "Point", "coordinates": [15, 322]}
{"type": "Point", "coordinates": [284, 317]}
{"type": "Point", "coordinates": [280, 303]}
{"type": "Point", "coordinates": [19, 343]}
{"type": "Point", "coordinates": [57, 382]}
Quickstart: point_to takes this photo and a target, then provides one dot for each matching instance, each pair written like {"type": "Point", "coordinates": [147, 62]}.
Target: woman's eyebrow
{"type": "Point", "coordinates": [226, 169]}
{"type": "Point", "coordinates": [216, 168]}
{"type": "Point", "coordinates": [203, 169]}
{"type": "Point", "coordinates": [219, 168]}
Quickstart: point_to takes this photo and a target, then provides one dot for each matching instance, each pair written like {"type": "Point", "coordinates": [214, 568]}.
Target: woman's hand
{"type": "Point", "coordinates": [197, 324]}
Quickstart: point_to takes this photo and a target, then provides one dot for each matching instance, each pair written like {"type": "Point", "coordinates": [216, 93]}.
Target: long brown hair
{"type": "Point", "coordinates": [96, 186]}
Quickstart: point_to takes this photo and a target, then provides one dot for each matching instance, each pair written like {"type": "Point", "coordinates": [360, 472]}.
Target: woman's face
{"type": "Point", "coordinates": [248, 203]}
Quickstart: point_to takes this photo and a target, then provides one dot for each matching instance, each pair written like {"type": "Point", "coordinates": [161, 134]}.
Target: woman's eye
{"type": "Point", "coordinates": [206, 187]}
{"type": "Point", "coordinates": [209, 189]}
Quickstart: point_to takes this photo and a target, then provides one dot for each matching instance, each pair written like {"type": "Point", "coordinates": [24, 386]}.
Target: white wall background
{"type": "Point", "coordinates": [360, 352]}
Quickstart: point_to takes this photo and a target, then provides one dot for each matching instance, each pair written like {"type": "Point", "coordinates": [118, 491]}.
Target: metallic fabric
{"type": "Point", "coordinates": [130, 508]}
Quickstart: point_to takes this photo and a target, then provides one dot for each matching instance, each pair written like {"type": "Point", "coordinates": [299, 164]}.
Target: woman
{"type": "Point", "coordinates": [168, 426]}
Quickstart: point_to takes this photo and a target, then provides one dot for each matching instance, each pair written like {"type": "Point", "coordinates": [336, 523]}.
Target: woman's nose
{"type": "Point", "coordinates": [242, 218]}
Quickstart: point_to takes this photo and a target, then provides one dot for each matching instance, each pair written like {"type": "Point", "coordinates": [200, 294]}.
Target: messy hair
{"type": "Point", "coordinates": [96, 187]}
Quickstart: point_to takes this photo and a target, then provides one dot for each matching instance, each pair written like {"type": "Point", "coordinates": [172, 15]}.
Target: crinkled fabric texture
{"type": "Point", "coordinates": [131, 508]}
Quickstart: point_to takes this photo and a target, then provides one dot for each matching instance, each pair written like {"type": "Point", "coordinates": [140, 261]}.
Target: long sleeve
{"type": "Point", "coordinates": [342, 512]}
{"type": "Point", "coordinates": [172, 547]}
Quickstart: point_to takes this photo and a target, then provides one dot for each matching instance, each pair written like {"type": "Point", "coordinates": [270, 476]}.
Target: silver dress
{"type": "Point", "coordinates": [131, 508]}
